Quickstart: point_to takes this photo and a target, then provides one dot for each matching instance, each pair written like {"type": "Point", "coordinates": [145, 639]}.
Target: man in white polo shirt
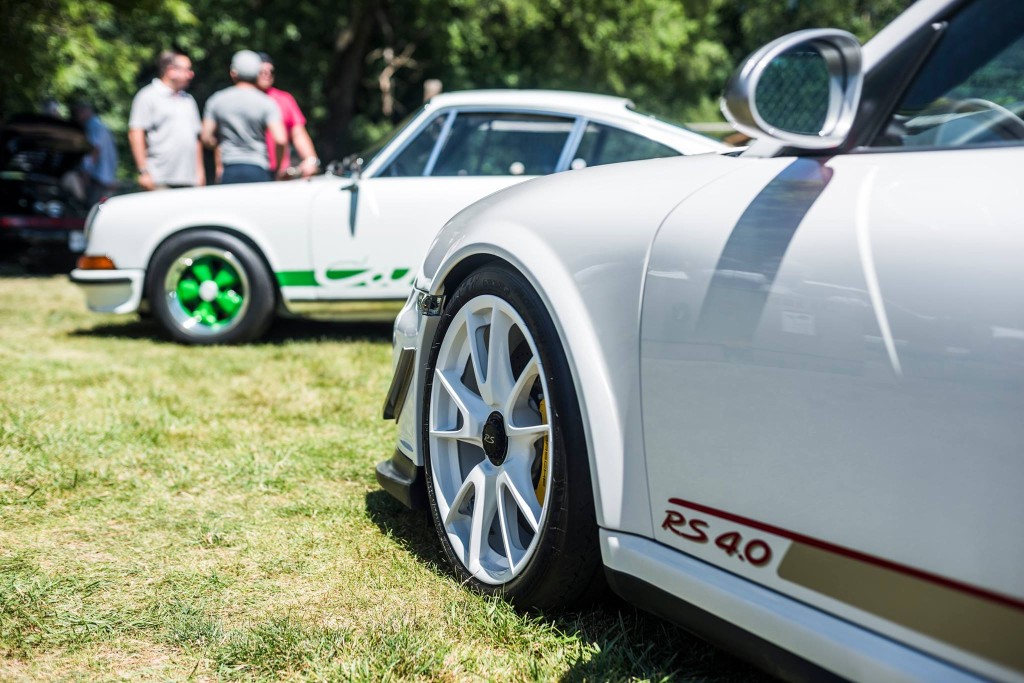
{"type": "Point", "coordinates": [163, 127]}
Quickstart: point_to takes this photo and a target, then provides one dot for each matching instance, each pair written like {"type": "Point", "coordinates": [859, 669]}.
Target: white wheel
{"type": "Point", "coordinates": [489, 439]}
{"type": "Point", "coordinates": [508, 477]}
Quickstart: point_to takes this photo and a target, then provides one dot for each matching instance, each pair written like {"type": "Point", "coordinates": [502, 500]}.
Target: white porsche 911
{"type": "Point", "coordinates": [214, 264]}
{"type": "Point", "coordinates": [777, 397]}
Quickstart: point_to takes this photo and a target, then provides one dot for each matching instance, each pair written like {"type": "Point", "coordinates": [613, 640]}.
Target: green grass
{"type": "Point", "coordinates": [175, 513]}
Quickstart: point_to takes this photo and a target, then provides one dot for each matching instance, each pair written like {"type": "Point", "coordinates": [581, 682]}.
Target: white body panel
{"type": "Point", "coordinates": [956, 326]}
{"type": "Point", "coordinates": [377, 254]}
{"type": "Point", "coordinates": [128, 229]}
{"type": "Point", "coordinates": [887, 358]}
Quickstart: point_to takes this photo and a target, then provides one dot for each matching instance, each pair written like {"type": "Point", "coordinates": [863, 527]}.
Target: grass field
{"type": "Point", "coordinates": [175, 513]}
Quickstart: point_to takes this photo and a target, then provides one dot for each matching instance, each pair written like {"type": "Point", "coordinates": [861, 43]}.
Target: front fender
{"type": "Point", "coordinates": [582, 242]}
{"type": "Point", "coordinates": [273, 216]}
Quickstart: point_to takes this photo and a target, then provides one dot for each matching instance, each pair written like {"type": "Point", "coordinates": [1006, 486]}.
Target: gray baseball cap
{"type": "Point", "coordinates": [246, 65]}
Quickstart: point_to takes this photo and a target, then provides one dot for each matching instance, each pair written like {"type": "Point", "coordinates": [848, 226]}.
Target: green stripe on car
{"type": "Point", "coordinates": [296, 278]}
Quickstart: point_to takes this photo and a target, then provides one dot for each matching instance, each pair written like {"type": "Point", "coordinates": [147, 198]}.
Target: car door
{"type": "Point", "coordinates": [832, 363]}
{"type": "Point", "coordinates": [389, 219]}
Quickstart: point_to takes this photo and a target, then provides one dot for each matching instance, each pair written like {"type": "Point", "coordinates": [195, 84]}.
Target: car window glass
{"type": "Point", "coordinates": [412, 160]}
{"type": "Point", "coordinates": [603, 144]}
{"type": "Point", "coordinates": [488, 144]}
{"type": "Point", "coordinates": [970, 90]}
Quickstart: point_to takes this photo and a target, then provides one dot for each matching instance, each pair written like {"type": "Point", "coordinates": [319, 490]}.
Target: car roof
{"type": "Point", "coordinates": [554, 99]}
{"type": "Point", "coordinates": [602, 107]}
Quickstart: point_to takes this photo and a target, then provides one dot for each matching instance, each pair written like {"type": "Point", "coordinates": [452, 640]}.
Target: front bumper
{"type": "Point", "coordinates": [402, 475]}
{"type": "Point", "coordinates": [403, 480]}
{"type": "Point", "coordinates": [111, 291]}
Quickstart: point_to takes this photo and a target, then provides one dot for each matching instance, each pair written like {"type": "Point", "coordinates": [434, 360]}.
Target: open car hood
{"type": "Point", "coordinates": [41, 145]}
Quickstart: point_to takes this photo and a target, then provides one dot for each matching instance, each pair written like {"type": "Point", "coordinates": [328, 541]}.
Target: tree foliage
{"type": "Point", "coordinates": [357, 66]}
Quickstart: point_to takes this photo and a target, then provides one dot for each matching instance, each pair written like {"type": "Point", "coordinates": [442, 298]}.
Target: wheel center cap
{"type": "Point", "coordinates": [495, 439]}
{"type": "Point", "coordinates": [208, 290]}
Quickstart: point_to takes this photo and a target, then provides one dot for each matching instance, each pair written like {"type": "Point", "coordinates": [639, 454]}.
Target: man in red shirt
{"type": "Point", "coordinates": [294, 123]}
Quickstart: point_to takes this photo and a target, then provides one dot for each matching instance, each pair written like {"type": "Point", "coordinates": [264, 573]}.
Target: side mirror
{"type": "Point", "coordinates": [801, 90]}
{"type": "Point", "coordinates": [351, 165]}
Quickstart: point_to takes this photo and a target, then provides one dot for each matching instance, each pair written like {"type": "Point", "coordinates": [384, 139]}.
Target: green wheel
{"type": "Point", "coordinates": [208, 287]}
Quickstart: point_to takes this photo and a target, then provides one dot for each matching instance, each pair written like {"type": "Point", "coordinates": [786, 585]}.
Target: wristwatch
{"type": "Point", "coordinates": [315, 160]}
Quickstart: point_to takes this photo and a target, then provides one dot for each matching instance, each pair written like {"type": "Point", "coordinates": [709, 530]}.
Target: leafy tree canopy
{"type": "Point", "coordinates": [358, 66]}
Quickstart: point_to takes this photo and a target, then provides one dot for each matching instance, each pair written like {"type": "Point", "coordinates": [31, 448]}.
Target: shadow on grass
{"type": "Point", "coordinates": [283, 331]}
{"type": "Point", "coordinates": [131, 328]}
{"type": "Point", "coordinates": [413, 530]}
{"type": "Point", "coordinates": [624, 642]}
{"type": "Point", "coordinates": [36, 268]}
{"type": "Point", "coordinates": [629, 644]}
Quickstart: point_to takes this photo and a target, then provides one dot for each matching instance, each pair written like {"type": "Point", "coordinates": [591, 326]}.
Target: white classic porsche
{"type": "Point", "coordinates": [776, 397]}
{"type": "Point", "coordinates": [214, 264]}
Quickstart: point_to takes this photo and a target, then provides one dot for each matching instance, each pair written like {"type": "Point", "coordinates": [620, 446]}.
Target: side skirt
{"type": "Point", "coordinates": [784, 636]}
{"type": "Point", "coordinates": [717, 631]}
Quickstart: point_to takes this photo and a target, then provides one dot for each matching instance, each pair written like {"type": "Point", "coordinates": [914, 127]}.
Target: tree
{"type": "Point", "coordinates": [74, 48]}
{"type": "Point", "coordinates": [357, 66]}
{"type": "Point", "coordinates": [748, 24]}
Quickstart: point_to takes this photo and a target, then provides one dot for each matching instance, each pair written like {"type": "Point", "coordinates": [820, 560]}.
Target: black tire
{"type": "Point", "coordinates": [251, 289]}
{"type": "Point", "coordinates": [565, 569]}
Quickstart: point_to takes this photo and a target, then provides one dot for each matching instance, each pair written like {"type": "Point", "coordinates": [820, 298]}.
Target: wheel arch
{"type": "Point", "coordinates": [605, 425]}
{"type": "Point", "coordinates": [234, 232]}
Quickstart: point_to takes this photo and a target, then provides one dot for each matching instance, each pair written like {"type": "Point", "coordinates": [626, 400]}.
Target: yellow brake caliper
{"type": "Point", "coordinates": [542, 481]}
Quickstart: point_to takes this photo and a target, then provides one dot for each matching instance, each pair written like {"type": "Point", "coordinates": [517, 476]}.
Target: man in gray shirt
{"type": "Point", "coordinates": [237, 120]}
{"type": "Point", "coordinates": [163, 127]}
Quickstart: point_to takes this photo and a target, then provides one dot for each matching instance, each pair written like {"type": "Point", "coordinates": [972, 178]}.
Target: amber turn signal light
{"type": "Point", "coordinates": [95, 263]}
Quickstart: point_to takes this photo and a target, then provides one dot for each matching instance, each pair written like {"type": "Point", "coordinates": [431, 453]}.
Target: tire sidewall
{"type": "Point", "coordinates": [262, 294]}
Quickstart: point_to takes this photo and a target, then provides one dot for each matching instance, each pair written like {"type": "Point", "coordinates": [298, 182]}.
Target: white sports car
{"type": "Point", "coordinates": [214, 264]}
{"type": "Point", "coordinates": [777, 397]}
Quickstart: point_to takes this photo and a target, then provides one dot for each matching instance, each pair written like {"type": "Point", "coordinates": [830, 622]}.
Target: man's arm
{"type": "Point", "coordinates": [218, 166]}
{"type": "Point", "coordinates": [304, 146]}
{"type": "Point", "coordinates": [200, 165]}
{"type": "Point", "coordinates": [280, 136]}
{"type": "Point", "coordinates": [209, 133]}
{"type": "Point", "coordinates": [137, 141]}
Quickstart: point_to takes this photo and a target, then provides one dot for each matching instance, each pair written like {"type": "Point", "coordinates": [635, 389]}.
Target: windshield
{"type": "Point", "coordinates": [354, 163]}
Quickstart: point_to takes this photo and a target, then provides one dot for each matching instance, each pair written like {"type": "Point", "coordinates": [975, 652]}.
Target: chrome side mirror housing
{"type": "Point", "coordinates": [801, 90]}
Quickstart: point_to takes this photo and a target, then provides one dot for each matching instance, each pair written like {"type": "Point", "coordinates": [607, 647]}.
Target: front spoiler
{"type": "Point", "coordinates": [403, 480]}
{"type": "Point", "coordinates": [110, 291]}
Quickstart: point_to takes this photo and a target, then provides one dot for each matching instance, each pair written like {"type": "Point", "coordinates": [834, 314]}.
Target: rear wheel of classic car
{"type": "Point", "coordinates": [507, 472]}
{"type": "Point", "coordinates": [210, 287]}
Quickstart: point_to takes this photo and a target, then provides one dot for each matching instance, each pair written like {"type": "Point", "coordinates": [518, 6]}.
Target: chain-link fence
{"type": "Point", "coordinates": [793, 92]}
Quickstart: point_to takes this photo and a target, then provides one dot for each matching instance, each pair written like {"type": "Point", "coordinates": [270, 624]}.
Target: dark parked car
{"type": "Point", "coordinates": [41, 218]}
